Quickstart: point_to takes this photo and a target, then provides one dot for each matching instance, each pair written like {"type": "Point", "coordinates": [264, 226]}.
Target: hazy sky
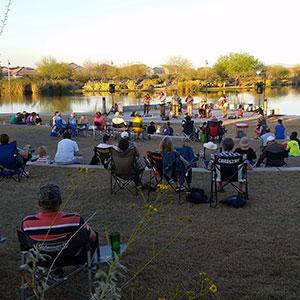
{"type": "Point", "coordinates": [125, 31]}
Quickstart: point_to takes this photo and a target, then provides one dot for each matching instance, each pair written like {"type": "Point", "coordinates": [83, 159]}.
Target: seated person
{"type": "Point", "coordinates": [151, 129]}
{"type": "Point", "coordinates": [173, 163]}
{"type": "Point", "coordinates": [265, 137]}
{"type": "Point", "coordinates": [31, 119]}
{"type": "Point", "coordinates": [227, 152]}
{"type": "Point", "coordinates": [273, 154]}
{"type": "Point", "coordinates": [99, 121]}
{"type": "Point", "coordinates": [168, 130]}
{"type": "Point", "coordinates": [244, 149]}
{"type": "Point", "coordinates": [136, 123]}
{"type": "Point", "coordinates": [209, 149]}
{"type": "Point", "coordinates": [23, 154]}
{"type": "Point", "coordinates": [187, 152]}
{"type": "Point", "coordinates": [59, 122]}
{"type": "Point", "coordinates": [42, 158]}
{"type": "Point", "coordinates": [140, 165]}
{"type": "Point", "coordinates": [72, 123]}
{"type": "Point", "coordinates": [293, 145]}
{"type": "Point", "coordinates": [51, 223]}
{"type": "Point", "coordinates": [16, 119]}
{"type": "Point", "coordinates": [132, 144]}
{"type": "Point", "coordinates": [107, 143]}
{"type": "Point", "coordinates": [118, 122]}
{"type": "Point", "coordinates": [67, 151]}
{"type": "Point", "coordinates": [279, 131]}
{"type": "Point", "coordinates": [188, 125]}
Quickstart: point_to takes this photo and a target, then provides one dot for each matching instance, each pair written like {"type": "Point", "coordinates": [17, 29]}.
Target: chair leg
{"type": "Point", "coordinates": [90, 275]}
{"type": "Point", "coordinates": [22, 288]}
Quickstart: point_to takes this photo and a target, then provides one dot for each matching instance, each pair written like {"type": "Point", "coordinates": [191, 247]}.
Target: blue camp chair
{"type": "Point", "coordinates": [10, 165]}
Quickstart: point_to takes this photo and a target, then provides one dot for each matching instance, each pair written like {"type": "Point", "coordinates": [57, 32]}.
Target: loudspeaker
{"type": "Point", "coordinates": [112, 88]}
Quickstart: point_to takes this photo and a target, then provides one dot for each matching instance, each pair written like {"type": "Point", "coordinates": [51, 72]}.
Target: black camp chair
{"type": "Point", "coordinates": [101, 156]}
{"type": "Point", "coordinates": [63, 259]}
{"type": "Point", "coordinates": [230, 170]}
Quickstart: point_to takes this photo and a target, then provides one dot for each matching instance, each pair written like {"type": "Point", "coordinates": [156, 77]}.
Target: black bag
{"type": "Point", "coordinates": [196, 196]}
{"type": "Point", "coordinates": [236, 201]}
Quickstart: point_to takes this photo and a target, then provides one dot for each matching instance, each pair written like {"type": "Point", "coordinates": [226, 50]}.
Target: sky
{"type": "Point", "coordinates": [132, 31]}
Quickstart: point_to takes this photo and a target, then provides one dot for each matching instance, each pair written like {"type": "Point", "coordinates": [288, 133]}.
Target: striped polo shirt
{"type": "Point", "coordinates": [52, 225]}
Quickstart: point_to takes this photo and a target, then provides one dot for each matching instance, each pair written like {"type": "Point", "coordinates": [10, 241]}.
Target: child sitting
{"type": "Point", "coordinates": [43, 158]}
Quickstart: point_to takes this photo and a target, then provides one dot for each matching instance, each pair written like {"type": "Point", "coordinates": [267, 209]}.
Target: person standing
{"type": "Point", "coordinates": [189, 105]}
{"type": "Point", "coordinates": [147, 100]}
{"type": "Point", "coordinates": [162, 103]}
{"type": "Point", "coordinates": [175, 106]}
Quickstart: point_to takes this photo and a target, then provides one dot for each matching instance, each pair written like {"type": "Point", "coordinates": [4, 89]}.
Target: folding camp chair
{"type": "Point", "coordinates": [154, 162]}
{"type": "Point", "coordinates": [101, 156]}
{"type": "Point", "coordinates": [212, 130]}
{"type": "Point", "coordinates": [10, 165]}
{"type": "Point", "coordinates": [62, 260]}
{"type": "Point", "coordinates": [230, 170]}
{"type": "Point", "coordinates": [123, 171]}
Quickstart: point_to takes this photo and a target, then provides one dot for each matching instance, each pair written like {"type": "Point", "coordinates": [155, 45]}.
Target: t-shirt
{"type": "Point", "coordinates": [251, 155]}
{"type": "Point", "coordinates": [279, 132]}
{"type": "Point", "coordinates": [52, 225]}
{"type": "Point", "coordinates": [65, 151]}
{"type": "Point", "coordinates": [293, 147]}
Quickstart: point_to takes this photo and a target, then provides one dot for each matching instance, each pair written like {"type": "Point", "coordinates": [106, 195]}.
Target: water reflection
{"type": "Point", "coordinates": [285, 99]}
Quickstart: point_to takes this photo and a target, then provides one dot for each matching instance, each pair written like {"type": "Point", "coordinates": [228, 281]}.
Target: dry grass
{"type": "Point", "coordinates": [250, 253]}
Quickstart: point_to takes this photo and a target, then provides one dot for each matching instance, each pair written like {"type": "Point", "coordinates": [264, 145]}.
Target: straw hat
{"type": "Point", "coordinates": [210, 146]}
{"type": "Point", "coordinates": [244, 143]}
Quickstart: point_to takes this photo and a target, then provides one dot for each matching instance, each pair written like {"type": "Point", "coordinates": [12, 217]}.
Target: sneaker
{"type": "Point", "coordinates": [180, 189]}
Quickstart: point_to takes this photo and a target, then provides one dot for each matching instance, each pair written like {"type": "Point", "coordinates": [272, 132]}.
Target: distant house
{"type": "Point", "coordinates": [17, 72]}
{"type": "Point", "coordinates": [158, 71]}
{"type": "Point", "coordinates": [75, 67]}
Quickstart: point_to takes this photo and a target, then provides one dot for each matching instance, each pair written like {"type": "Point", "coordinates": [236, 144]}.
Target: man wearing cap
{"type": "Point", "coordinates": [51, 223]}
{"type": "Point", "coordinates": [273, 154]}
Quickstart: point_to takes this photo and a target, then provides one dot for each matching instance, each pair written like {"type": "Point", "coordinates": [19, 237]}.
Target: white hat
{"type": "Point", "coordinates": [124, 135]}
{"type": "Point", "coordinates": [210, 146]}
{"type": "Point", "coordinates": [270, 138]}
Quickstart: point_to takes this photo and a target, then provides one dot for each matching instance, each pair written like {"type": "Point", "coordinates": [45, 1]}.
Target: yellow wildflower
{"type": "Point", "coordinates": [213, 288]}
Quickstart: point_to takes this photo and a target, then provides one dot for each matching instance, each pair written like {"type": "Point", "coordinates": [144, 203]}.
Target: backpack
{"type": "Point", "coordinates": [196, 196]}
{"type": "Point", "coordinates": [236, 201]}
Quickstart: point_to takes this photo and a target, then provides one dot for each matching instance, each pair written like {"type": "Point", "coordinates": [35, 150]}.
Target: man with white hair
{"type": "Point", "coordinates": [273, 154]}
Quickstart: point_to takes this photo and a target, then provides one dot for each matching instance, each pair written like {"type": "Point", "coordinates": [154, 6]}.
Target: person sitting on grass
{"type": "Point", "coordinates": [273, 154]}
{"type": "Point", "coordinates": [279, 131]}
{"type": "Point", "coordinates": [43, 158]}
{"type": "Point", "coordinates": [228, 153]}
{"type": "Point", "coordinates": [168, 130]}
{"type": "Point", "coordinates": [244, 149]}
{"type": "Point", "coordinates": [68, 151]}
{"type": "Point", "coordinates": [293, 146]}
{"type": "Point", "coordinates": [151, 129]}
{"type": "Point", "coordinates": [51, 223]}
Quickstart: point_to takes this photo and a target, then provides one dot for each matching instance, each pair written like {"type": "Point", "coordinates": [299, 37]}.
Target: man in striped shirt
{"type": "Point", "coordinates": [51, 223]}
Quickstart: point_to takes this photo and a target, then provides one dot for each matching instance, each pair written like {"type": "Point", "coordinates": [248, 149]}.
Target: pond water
{"type": "Point", "coordinates": [283, 100]}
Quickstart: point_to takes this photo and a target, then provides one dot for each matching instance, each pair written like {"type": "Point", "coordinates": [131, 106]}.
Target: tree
{"type": "Point", "coordinates": [49, 68]}
{"type": "Point", "coordinates": [236, 65]}
{"type": "Point", "coordinates": [277, 72]}
{"type": "Point", "coordinates": [178, 65]}
{"type": "Point", "coordinates": [135, 71]}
